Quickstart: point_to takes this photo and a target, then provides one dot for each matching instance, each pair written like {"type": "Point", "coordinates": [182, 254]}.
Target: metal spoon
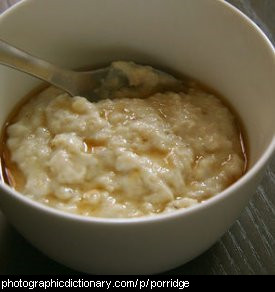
{"type": "Point", "coordinates": [75, 83]}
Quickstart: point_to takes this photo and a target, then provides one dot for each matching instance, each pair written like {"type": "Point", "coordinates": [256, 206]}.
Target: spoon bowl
{"type": "Point", "coordinates": [89, 84]}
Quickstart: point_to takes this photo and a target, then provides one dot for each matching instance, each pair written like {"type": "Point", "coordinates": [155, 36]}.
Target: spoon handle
{"type": "Point", "coordinates": [22, 61]}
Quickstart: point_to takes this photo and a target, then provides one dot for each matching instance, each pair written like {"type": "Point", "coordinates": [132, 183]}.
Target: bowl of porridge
{"type": "Point", "coordinates": [152, 174]}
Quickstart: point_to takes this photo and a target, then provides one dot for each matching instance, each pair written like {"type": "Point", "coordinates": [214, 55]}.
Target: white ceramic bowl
{"type": "Point", "coordinates": [209, 40]}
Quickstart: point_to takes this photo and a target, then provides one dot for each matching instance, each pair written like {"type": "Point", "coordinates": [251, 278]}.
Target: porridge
{"type": "Point", "coordinates": [141, 151]}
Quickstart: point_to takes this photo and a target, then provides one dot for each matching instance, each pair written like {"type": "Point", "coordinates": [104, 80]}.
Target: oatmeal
{"type": "Point", "coordinates": [124, 156]}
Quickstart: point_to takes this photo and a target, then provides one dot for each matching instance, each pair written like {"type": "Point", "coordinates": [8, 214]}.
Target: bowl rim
{"type": "Point", "coordinates": [181, 213]}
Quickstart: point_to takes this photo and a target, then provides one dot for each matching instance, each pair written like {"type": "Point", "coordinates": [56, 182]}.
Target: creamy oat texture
{"type": "Point", "coordinates": [125, 157]}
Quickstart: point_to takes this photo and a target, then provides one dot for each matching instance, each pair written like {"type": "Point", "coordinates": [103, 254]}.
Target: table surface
{"type": "Point", "coordinates": [248, 247]}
